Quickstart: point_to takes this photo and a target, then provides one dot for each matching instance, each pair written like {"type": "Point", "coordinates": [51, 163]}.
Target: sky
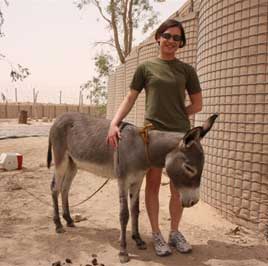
{"type": "Point", "coordinates": [55, 40]}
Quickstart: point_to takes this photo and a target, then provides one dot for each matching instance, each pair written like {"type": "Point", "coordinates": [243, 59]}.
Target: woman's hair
{"type": "Point", "coordinates": [170, 23]}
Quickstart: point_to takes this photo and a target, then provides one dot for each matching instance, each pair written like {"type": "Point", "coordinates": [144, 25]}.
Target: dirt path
{"type": "Point", "coordinates": [28, 238]}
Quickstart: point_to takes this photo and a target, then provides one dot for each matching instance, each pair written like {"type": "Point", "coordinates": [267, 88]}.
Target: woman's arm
{"type": "Point", "coordinates": [196, 104]}
{"type": "Point", "coordinates": [123, 110]}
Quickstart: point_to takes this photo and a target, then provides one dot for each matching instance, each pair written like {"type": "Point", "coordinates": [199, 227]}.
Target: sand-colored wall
{"type": "Point", "coordinates": [232, 58]}
{"type": "Point", "coordinates": [39, 110]}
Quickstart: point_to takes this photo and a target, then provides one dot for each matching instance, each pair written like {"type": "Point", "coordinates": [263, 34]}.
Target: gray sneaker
{"type": "Point", "coordinates": [177, 240]}
{"type": "Point", "coordinates": [160, 245]}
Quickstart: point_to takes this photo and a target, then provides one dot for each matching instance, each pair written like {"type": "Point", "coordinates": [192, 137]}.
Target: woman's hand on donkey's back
{"type": "Point", "coordinates": [113, 136]}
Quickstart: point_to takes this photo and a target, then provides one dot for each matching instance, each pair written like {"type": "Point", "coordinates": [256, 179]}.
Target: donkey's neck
{"type": "Point", "coordinates": [160, 144]}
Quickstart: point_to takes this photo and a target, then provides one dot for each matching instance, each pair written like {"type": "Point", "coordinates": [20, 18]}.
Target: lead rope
{"type": "Point", "coordinates": [89, 197]}
{"type": "Point", "coordinates": [144, 134]}
{"type": "Point", "coordinates": [18, 185]}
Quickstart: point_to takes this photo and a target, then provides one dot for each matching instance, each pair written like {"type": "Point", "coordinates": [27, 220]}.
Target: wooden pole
{"type": "Point", "coordinates": [33, 108]}
{"type": "Point", "coordinates": [16, 95]}
{"type": "Point", "coordinates": [33, 95]}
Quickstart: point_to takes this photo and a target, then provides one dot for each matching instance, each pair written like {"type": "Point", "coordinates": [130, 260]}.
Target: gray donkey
{"type": "Point", "coordinates": [79, 142]}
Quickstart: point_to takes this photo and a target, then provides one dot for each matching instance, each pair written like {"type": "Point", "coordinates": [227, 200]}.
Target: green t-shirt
{"type": "Point", "coordinates": [165, 84]}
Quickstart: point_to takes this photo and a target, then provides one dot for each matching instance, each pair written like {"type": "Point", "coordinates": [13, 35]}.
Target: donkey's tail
{"type": "Point", "coordinates": [49, 154]}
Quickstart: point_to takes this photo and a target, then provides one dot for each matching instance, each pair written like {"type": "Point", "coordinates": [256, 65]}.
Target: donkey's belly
{"type": "Point", "coordinates": [102, 170]}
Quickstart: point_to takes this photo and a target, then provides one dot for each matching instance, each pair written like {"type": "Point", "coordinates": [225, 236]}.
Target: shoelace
{"type": "Point", "coordinates": [178, 236]}
{"type": "Point", "coordinates": [159, 240]}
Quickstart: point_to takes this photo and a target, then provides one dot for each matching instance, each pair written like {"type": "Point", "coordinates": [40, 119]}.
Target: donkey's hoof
{"type": "Point", "coordinates": [60, 230]}
{"type": "Point", "coordinates": [139, 242]}
{"type": "Point", "coordinates": [141, 245]}
{"type": "Point", "coordinates": [70, 224]}
{"type": "Point", "coordinates": [123, 257]}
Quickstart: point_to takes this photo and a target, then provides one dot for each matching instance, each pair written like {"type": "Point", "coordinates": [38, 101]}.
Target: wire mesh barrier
{"type": "Point", "coordinates": [232, 65]}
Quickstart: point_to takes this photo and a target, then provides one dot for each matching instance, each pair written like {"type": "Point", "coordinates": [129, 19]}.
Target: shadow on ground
{"type": "Point", "coordinates": [91, 239]}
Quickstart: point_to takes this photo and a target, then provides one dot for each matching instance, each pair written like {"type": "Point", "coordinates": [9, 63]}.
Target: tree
{"type": "Point", "coordinates": [17, 72]}
{"type": "Point", "coordinates": [97, 87]}
{"type": "Point", "coordinates": [122, 17]}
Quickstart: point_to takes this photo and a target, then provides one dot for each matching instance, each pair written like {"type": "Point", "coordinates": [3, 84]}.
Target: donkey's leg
{"type": "Point", "coordinates": [55, 184]}
{"type": "Point", "coordinates": [124, 216]}
{"type": "Point", "coordinates": [134, 194]}
{"type": "Point", "coordinates": [67, 181]}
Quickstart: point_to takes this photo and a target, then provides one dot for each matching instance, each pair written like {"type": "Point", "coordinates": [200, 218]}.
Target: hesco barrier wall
{"type": "Point", "coordinates": [227, 42]}
{"type": "Point", "coordinates": [39, 110]}
{"type": "Point", "coordinates": [232, 58]}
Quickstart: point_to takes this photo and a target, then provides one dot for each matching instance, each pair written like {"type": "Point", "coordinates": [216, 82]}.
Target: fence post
{"type": "Point", "coordinates": [6, 110]}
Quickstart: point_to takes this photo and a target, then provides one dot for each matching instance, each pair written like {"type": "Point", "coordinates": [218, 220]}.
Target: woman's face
{"type": "Point", "coordinates": [169, 46]}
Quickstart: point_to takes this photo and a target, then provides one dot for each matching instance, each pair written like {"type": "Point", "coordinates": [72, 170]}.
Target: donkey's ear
{"type": "Point", "coordinates": [208, 124]}
{"type": "Point", "coordinates": [192, 135]}
{"type": "Point", "coordinates": [198, 133]}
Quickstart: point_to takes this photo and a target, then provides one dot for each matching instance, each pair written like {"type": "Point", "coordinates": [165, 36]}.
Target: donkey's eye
{"type": "Point", "coordinates": [189, 170]}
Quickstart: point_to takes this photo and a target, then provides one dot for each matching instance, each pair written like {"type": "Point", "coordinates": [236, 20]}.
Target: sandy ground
{"type": "Point", "coordinates": [28, 238]}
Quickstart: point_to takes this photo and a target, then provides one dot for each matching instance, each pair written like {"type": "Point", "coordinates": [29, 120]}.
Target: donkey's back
{"type": "Point", "coordinates": [82, 139]}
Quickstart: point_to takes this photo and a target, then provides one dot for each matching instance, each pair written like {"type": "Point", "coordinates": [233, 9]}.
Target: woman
{"type": "Point", "coordinates": [165, 80]}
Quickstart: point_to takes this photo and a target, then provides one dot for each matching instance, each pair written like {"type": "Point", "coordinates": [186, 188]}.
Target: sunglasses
{"type": "Point", "coordinates": [168, 36]}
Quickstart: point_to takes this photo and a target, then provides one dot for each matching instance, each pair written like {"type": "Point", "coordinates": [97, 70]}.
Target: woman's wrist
{"type": "Point", "coordinates": [114, 123]}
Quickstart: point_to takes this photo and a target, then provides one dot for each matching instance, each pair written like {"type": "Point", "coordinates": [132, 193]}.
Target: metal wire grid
{"type": "Point", "coordinates": [111, 96]}
{"type": "Point", "coordinates": [131, 65]}
{"type": "Point", "coordinates": [232, 65]}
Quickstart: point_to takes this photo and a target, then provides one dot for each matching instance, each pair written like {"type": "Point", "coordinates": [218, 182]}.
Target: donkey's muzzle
{"type": "Point", "coordinates": [188, 204]}
{"type": "Point", "coordinates": [189, 197]}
